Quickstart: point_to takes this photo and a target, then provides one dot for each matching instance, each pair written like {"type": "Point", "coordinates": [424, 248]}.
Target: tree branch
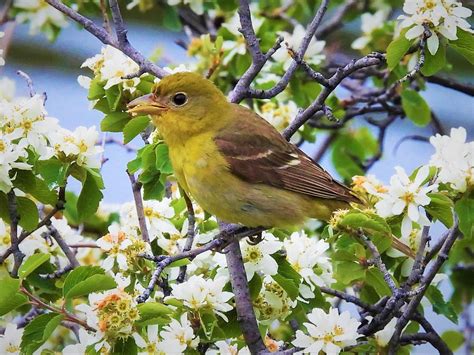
{"type": "Point", "coordinates": [189, 235]}
{"type": "Point", "coordinates": [137, 197]}
{"type": "Point", "coordinates": [449, 83]}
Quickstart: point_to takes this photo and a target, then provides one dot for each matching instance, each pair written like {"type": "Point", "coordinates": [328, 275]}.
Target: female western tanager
{"type": "Point", "coordinates": [233, 162]}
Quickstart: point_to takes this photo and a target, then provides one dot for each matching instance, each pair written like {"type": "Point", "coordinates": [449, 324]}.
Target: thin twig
{"type": "Point", "coordinates": [14, 218]}
{"type": "Point", "coordinates": [189, 235]}
{"type": "Point", "coordinates": [137, 197]}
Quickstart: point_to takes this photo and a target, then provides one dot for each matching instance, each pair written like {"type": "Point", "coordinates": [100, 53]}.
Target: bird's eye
{"type": "Point", "coordinates": [179, 99]}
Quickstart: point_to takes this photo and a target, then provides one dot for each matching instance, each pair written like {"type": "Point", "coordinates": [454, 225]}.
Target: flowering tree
{"type": "Point", "coordinates": [159, 275]}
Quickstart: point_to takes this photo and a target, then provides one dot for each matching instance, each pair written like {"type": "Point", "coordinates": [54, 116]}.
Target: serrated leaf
{"type": "Point", "coordinates": [32, 263]}
{"type": "Point", "coordinates": [453, 338]}
{"type": "Point", "coordinates": [27, 182]}
{"type": "Point", "coordinates": [464, 45]}
{"type": "Point", "coordinates": [441, 208]}
{"type": "Point", "coordinates": [78, 275]}
{"type": "Point", "coordinates": [10, 297]}
{"type": "Point", "coordinates": [151, 312]}
{"type": "Point", "coordinates": [28, 213]}
{"type": "Point", "coordinates": [134, 127]}
{"type": "Point", "coordinates": [440, 306]}
{"type": "Point", "coordinates": [134, 165]}
{"type": "Point", "coordinates": [163, 163]}
{"type": "Point", "coordinates": [465, 211]}
{"type": "Point", "coordinates": [346, 272]}
{"type": "Point", "coordinates": [415, 107]}
{"type": "Point", "coordinates": [96, 89]}
{"type": "Point", "coordinates": [153, 190]}
{"type": "Point", "coordinates": [396, 50]}
{"type": "Point", "coordinates": [114, 122]}
{"type": "Point", "coordinates": [89, 198]}
{"type": "Point", "coordinates": [434, 63]}
{"type": "Point", "coordinates": [114, 96]}
{"type": "Point", "coordinates": [94, 283]}
{"type": "Point", "coordinates": [53, 171]}
{"type": "Point", "coordinates": [38, 331]}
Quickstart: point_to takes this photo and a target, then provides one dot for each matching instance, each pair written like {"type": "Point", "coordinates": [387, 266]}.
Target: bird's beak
{"type": "Point", "coordinates": [147, 105]}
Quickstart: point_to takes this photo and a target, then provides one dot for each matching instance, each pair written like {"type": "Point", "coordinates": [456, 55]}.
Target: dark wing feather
{"type": "Point", "coordinates": [257, 153]}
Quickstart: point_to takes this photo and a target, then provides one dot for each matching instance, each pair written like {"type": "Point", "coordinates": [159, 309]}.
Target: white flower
{"type": "Point", "coordinates": [306, 255]}
{"type": "Point", "coordinates": [39, 14]}
{"type": "Point", "coordinates": [180, 331]}
{"type": "Point", "coordinates": [85, 339]}
{"type": "Point", "coordinates": [2, 61]}
{"type": "Point", "coordinates": [227, 348]}
{"type": "Point", "coordinates": [406, 196]}
{"type": "Point", "coordinates": [79, 145]}
{"type": "Point", "coordinates": [313, 54]}
{"type": "Point", "coordinates": [7, 89]}
{"type": "Point", "coordinates": [370, 23]}
{"type": "Point", "coordinates": [454, 158]}
{"type": "Point", "coordinates": [10, 341]}
{"type": "Point", "coordinates": [154, 346]}
{"type": "Point", "coordinates": [196, 5]}
{"type": "Point", "coordinates": [10, 153]}
{"type": "Point", "coordinates": [441, 16]}
{"type": "Point", "coordinates": [112, 65]}
{"type": "Point", "coordinates": [279, 115]}
{"type": "Point", "coordinates": [198, 292]}
{"type": "Point", "coordinates": [382, 337]}
{"type": "Point", "coordinates": [328, 332]}
{"type": "Point", "coordinates": [115, 244]}
{"type": "Point", "coordinates": [257, 258]}
{"type": "Point", "coordinates": [368, 184]}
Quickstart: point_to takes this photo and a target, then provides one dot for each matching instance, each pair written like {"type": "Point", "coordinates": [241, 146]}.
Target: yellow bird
{"type": "Point", "coordinates": [233, 162]}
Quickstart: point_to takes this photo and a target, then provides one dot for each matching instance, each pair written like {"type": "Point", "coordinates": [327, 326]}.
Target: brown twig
{"type": "Point", "coordinates": [137, 197]}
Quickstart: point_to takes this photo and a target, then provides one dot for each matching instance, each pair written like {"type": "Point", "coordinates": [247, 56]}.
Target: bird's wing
{"type": "Point", "coordinates": [257, 153]}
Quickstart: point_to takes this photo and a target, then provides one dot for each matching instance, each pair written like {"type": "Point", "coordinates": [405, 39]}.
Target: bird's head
{"type": "Point", "coordinates": [182, 104]}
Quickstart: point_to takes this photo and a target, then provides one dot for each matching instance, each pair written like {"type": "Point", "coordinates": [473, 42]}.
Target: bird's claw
{"type": "Point", "coordinates": [255, 239]}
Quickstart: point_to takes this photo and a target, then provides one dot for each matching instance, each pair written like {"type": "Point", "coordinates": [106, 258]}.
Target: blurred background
{"type": "Point", "coordinates": [54, 68]}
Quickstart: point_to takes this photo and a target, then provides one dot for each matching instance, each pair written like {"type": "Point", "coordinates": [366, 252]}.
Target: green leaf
{"type": "Point", "coordinates": [171, 18]}
{"type": "Point", "coordinates": [453, 338]}
{"type": "Point", "coordinates": [441, 208]}
{"type": "Point", "coordinates": [153, 190]}
{"type": "Point", "coordinates": [32, 263]}
{"type": "Point", "coordinates": [208, 323]}
{"type": "Point", "coordinates": [255, 285]}
{"type": "Point", "coordinates": [153, 313]}
{"type": "Point", "coordinates": [38, 331]}
{"type": "Point", "coordinates": [134, 165]}
{"type": "Point", "coordinates": [114, 97]}
{"type": "Point", "coordinates": [289, 285]}
{"type": "Point", "coordinates": [10, 297]}
{"type": "Point", "coordinates": [96, 89]}
{"type": "Point", "coordinates": [125, 346]}
{"type": "Point", "coordinates": [53, 171]}
{"type": "Point", "coordinates": [346, 272]}
{"type": "Point", "coordinates": [78, 275]}
{"type": "Point", "coordinates": [134, 127]}
{"type": "Point", "coordinates": [94, 283]}
{"type": "Point", "coordinates": [89, 198]}
{"type": "Point", "coordinates": [440, 306]}
{"type": "Point", "coordinates": [374, 278]}
{"type": "Point", "coordinates": [465, 211]}
{"type": "Point", "coordinates": [163, 162]}
{"type": "Point", "coordinates": [415, 107]}
{"type": "Point", "coordinates": [114, 122]}
{"type": "Point", "coordinates": [464, 45]}
{"type": "Point", "coordinates": [28, 213]}
{"type": "Point", "coordinates": [27, 182]}
{"type": "Point", "coordinates": [396, 50]}
{"type": "Point", "coordinates": [434, 63]}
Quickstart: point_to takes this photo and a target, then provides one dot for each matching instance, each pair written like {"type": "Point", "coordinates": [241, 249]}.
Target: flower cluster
{"type": "Point", "coordinates": [441, 16]}
{"type": "Point", "coordinates": [328, 332]}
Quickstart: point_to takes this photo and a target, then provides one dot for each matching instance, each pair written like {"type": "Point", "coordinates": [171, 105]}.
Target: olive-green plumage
{"type": "Point", "coordinates": [233, 162]}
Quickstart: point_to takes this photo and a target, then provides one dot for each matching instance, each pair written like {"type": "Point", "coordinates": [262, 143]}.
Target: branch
{"type": "Point", "coordinates": [243, 301]}
{"type": "Point", "coordinates": [101, 34]}
{"type": "Point", "coordinates": [14, 218]}
{"type": "Point", "coordinates": [242, 89]}
{"type": "Point", "coordinates": [137, 197]}
{"type": "Point", "coordinates": [465, 88]}
{"type": "Point", "coordinates": [54, 233]}
{"type": "Point", "coordinates": [189, 235]}
{"type": "Point", "coordinates": [233, 232]}
{"type": "Point", "coordinates": [425, 282]}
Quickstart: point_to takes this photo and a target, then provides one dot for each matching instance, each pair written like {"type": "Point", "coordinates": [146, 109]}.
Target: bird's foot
{"type": "Point", "coordinates": [254, 240]}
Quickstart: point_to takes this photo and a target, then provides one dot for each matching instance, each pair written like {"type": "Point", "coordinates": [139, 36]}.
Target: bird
{"type": "Point", "coordinates": [233, 162]}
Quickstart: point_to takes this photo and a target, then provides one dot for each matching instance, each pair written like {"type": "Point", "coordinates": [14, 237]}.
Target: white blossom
{"type": "Point", "coordinates": [196, 5]}
{"type": "Point", "coordinates": [328, 332]}
{"type": "Point", "coordinates": [39, 14]}
{"type": "Point", "coordinates": [180, 331]}
{"type": "Point", "coordinates": [225, 347]}
{"type": "Point", "coordinates": [7, 89]}
{"type": "Point", "coordinates": [155, 346]}
{"type": "Point", "coordinates": [257, 258]}
{"type": "Point", "coordinates": [10, 341]}
{"type": "Point", "coordinates": [10, 153]}
{"type": "Point", "coordinates": [406, 197]}
{"type": "Point", "coordinates": [370, 23]}
{"type": "Point", "coordinates": [198, 292]}
{"type": "Point", "coordinates": [441, 16]}
{"type": "Point", "coordinates": [454, 157]}
{"type": "Point", "coordinates": [85, 339]}
{"type": "Point", "coordinates": [115, 244]}
{"type": "Point", "coordinates": [312, 55]}
{"type": "Point", "coordinates": [308, 257]}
